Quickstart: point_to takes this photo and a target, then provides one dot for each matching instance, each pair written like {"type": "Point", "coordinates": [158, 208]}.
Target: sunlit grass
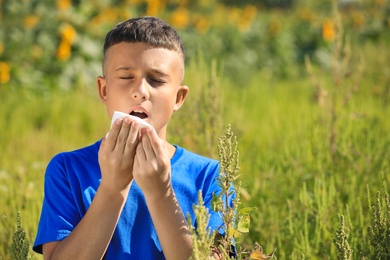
{"type": "Point", "coordinates": [288, 173]}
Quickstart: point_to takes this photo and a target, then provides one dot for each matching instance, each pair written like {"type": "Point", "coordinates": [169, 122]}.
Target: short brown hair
{"type": "Point", "coordinates": [146, 29]}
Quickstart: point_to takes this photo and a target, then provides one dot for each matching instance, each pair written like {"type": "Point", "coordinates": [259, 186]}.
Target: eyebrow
{"type": "Point", "coordinates": [154, 71]}
{"type": "Point", "coordinates": [159, 72]}
{"type": "Point", "coordinates": [124, 68]}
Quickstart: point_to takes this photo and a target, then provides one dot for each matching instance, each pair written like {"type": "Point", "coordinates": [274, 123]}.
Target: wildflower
{"type": "Point", "coordinates": [379, 2]}
{"type": "Point", "coordinates": [202, 24]}
{"type": "Point", "coordinates": [109, 15]}
{"type": "Point", "coordinates": [328, 30]}
{"type": "Point", "coordinates": [30, 21]}
{"type": "Point", "coordinates": [63, 51]}
{"type": "Point", "coordinates": [133, 2]}
{"type": "Point", "coordinates": [219, 16]}
{"type": "Point", "coordinates": [68, 33]}
{"type": "Point", "coordinates": [5, 74]}
{"type": "Point", "coordinates": [185, 2]}
{"type": "Point", "coordinates": [180, 18]}
{"type": "Point", "coordinates": [36, 51]}
{"type": "Point", "coordinates": [357, 19]}
{"type": "Point", "coordinates": [64, 4]}
{"type": "Point", "coordinates": [154, 7]}
{"type": "Point", "coordinates": [247, 16]}
{"type": "Point", "coordinates": [306, 15]}
{"type": "Point", "coordinates": [274, 27]}
{"type": "Point", "coordinates": [234, 15]}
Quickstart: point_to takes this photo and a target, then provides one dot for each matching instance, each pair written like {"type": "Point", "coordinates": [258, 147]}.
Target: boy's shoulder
{"type": "Point", "coordinates": [87, 154]}
{"type": "Point", "coordinates": [184, 156]}
{"type": "Point", "coordinates": [82, 151]}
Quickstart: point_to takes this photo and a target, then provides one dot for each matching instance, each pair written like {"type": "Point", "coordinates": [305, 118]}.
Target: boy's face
{"type": "Point", "coordinates": [143, 81]}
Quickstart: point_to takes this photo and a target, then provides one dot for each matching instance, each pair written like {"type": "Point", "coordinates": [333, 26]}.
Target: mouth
{"type": "Point", "coordinates": [139, 113]}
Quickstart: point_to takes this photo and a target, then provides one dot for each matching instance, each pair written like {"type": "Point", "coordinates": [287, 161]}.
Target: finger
{"type": "Point", "coordinates": [155, 143]}
{"type": "Point", "coordinates": [147, 147]}
{"type": "Point", "coordinates": [113, 135]}
{"type": "Point", "coordinates": [122, 136]}
{"type": "Point", "coordinates": [132, 138]}
{"type": "Point", "coordinates": [140, 155]}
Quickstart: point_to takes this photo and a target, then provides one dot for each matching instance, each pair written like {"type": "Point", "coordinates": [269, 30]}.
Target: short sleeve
{"type": "Point", "coordinates": [60, 213]}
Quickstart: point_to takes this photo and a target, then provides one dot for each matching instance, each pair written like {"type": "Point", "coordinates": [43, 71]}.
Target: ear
{"type": "Point", "coordinates": [181, 95]}
{"type": "Point", "coordinates": [102, 88]}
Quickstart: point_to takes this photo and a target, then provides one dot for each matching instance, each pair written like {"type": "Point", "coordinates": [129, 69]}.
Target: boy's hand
{"type": "Point", "coordinates": [152, 164]}
{"type": "Point", "coordinates": [116, 155]}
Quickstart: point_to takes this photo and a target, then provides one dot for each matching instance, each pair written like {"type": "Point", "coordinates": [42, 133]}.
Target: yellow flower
{"type": "Point", "coordinates": [379, 2]}
{"type": "Point", "coordinates": [133, 2]}
{"type": "Point", "coordinates": [250, 11]}
{"type": "Point", "coordinates": [328, 30]}
{"type": "Point", "coordinates": [180, 18]}
{"type": "Point", "coordinates": [185, 2]}
{"type": "Point", "coordinates": [36, 52]}
{"type": "Point", "coordinates": [64, 4]}
{"type": "Point", "coordinates": [68, 33]}
{"type": "Point", "coordinates": [219, 16]}
{"type": "Point", "coordinates": [234, 15]}
{"type": "Point", "coordinates": [202, 25]}
{"type": "Point", "coordinates": [5, 74]}
{"type": "Point", "coordinates": [30, 21]}
{"type": "Point", "coordinates": [154, 7]}
{"type": "Point", "coordinates": [306, 14]}
{"type": "Point", "coordinates": [247, 16]}
{"type": "Point", "coordinates": [357, 19]}
{"type": "Point", "coordinates": [109, 15]}
{"type": "Point", "coordinates": [274, 27]}
{"type": "Point", "coordinates": [63, 51]}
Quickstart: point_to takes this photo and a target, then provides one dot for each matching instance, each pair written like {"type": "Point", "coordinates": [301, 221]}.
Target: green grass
{"type": "Point", "coordinates": [287, 170]}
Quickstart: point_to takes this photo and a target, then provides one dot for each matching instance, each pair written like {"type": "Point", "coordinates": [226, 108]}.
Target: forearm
{"type": "Point", "coordinates": [171, 225]}
{"type": "Point", "coordinates": [90, 238]}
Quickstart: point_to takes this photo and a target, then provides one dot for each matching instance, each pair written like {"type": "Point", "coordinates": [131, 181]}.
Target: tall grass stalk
{"type": "Point", "coordinates": [283, 148]}
{"type": "Point", "coordinates": [20, 245]}
{"type": "Point", "coordinates": [344, 251]}
{"type": "Point", "coordinates": [379, 231]}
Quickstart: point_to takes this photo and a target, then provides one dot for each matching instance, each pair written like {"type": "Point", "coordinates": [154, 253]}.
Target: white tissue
{"type": "Point", "coordinates": [140, 122]}
{"type": "Point", "coordinates": [118, 114]}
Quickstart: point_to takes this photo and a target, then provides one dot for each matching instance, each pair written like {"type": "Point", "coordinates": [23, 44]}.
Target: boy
{"type": "Point", "coordinates": [127, 195]}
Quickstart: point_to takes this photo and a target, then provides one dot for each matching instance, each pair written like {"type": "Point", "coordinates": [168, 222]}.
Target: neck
{"type": "Point", "coordinates": [170, 149]}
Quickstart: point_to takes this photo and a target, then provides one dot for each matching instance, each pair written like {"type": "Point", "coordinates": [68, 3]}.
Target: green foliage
{"type": "Point", "coordinates": [282, 123]}
{"type": "Point", "coordinates": [344, 251]}
{"type": "Point", "coordinates": [202, 237]}
{"type": "Point", "coordinates": [204, 104]}
{"type": "Point", "coordinates": [236, 221]}
{"type": "Point", "coordinates": [43, 43]}
{"type": "Point", "coordinates": [379, 232]}
{"type": "Point", "coordinates": [229, 163]}
{"type": "Point", "coordinates": [20, 245]}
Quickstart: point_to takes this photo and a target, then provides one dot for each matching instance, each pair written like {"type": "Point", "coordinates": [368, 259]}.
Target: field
{"type": "Point", "coordinates": [313, 137]}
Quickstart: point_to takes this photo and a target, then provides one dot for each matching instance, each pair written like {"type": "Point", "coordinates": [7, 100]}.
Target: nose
{"type": "Point", "coordinates": [141, 90]}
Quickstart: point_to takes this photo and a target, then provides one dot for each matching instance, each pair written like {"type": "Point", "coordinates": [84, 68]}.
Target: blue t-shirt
{"type": "Point", "coordinates": [71, 182]}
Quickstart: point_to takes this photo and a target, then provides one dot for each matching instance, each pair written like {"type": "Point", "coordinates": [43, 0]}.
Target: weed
{"type": "Point", "coordinates": [344, 251]}
{"type": "Point", "coordinates": [236, 221]}
{"type": "Point", "coordinates": [20, 245]}
{"type": "Point", "coordinates": [379, 232]}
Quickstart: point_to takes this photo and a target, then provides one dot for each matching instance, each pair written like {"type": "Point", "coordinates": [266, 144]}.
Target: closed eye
{"type": "Point", "coordinates": [156, 82]}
